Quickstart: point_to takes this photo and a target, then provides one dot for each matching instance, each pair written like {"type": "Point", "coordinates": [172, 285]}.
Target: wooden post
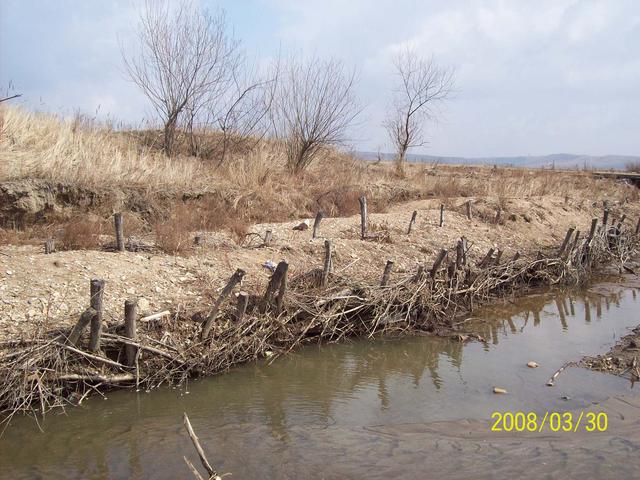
{"type": "Point", "coordinates": [326, 269]}
{"type": "Point", "coordinates": [498, 215]}
{"type": "Point", "coordinates": [464, 250]}
{"type": "Point", "coordinates": [97, 292]}
{"type": "Point", "coordinates": [117, 220]}
{"type": "Point", "coordinates": [412, 221]}
{"type": "Point", "coordinates": [459, 254]}
{"type": "Point", "coordinates": [638, 226]}
{"type": "Point", "coordinates": [498, 257]}
{"type": "Point", "coordinates": [197, 240]}
{"type": "Point", "coordinates": [442, 214]}
{"type": "Point", "coordinates": [592, 231]}
{"type": "Point", "coordinates": [605, 217]}
{"type": "Point", "coordinates": [363, 217]}
{"type": "Point", "coordinates": [575, 241]}
{"type": "Point", "coordinates": [282, 288]}
{"type": "Point", "coordinates": [49, 246]}
{"type": "Point", "coordinates": [233, 281]}
{"type": "Point", "coordinates": [439, 259]}
{"type": "Point", "coordinates": [387, 273]}
{"type": "Point", "coordinates": [565, 243]}
{"type": "Point", "coordinates": [241, 307]}
{"type": "Point", "coordinates": [487, 258]}
{"type": "Point", "coordinates": [619, 226]}
{"type": "Point", "coordinates": [130, 318]}
{"type": "Point", "coordinates": [78, 328]}
{"type": "Point", "coordinates": [420, 272]}
{"type": "Point", "coordinates": [268, 236]}
{"type": "Point", "coordinates": [316, 224]}
{"type": "Point", "coordinates": [468, 208]}
{"type": "Point", "coordinates": [274, 283]}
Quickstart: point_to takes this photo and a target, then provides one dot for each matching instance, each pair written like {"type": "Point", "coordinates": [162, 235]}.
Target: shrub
{"type": "Point", "coordinates": [81, 233]}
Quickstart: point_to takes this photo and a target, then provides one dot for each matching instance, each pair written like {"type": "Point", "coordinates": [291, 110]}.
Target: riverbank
{"type": "Point", "coordinates": [353, 302]}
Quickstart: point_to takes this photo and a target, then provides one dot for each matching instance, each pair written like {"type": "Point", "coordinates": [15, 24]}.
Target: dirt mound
{"type": "Point", "coordinates": [27, 202]}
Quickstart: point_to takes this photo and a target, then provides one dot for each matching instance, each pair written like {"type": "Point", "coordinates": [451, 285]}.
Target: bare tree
{"type": "Point", "coordinates": [239, 113]}
{"type": "Point", "coordinates": [183, 54]}
{"type": "Point", "coordinates": [313, 106]}
{"type": "Point", "coordinates": [422, 86]}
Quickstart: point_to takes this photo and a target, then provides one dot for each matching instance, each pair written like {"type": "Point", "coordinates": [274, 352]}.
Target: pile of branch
{"type": "Point", "coordinates": [54, 370]}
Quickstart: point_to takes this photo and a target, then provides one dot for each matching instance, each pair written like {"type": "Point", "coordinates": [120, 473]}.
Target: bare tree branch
{"type": "Point", "coordinates": [183, 55]}
{"type": "Point", "coordinates": [313, 106]}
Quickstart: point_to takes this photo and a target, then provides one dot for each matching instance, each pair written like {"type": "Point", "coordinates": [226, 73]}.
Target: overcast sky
{"type": "Point", "coordinates": [533, 77]}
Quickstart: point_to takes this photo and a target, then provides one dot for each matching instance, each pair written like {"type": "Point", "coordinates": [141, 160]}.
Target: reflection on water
{"type": "Point", "coordinates": [342, 411]}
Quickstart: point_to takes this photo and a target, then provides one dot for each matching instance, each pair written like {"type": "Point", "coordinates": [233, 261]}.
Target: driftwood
{"type": "Point", "coordinates": [551, 382]}
{"type": "Point", "coordinates": [137, 346]}
{"type": "Point", "coordinates": [196, 443]}
{"type": "Point", "coordinates": [90, 356]}
{"type": "Point", "coordinates": [97, 378]}
{"type": "Point", "coordinates": [155, 316]}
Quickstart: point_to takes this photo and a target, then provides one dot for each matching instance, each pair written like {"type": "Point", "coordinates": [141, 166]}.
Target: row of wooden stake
{"type": "Point", "coordinates": [277, 286]}
{"type": "Point", "coordinates": [49, 246]}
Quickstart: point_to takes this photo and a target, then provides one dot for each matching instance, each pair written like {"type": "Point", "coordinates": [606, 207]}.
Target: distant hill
{"type": "Point", "coordinates": [556, 160]}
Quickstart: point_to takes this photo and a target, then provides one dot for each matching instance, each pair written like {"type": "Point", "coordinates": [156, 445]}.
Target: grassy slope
{"type": "Point", "coordinates": [252, 187]}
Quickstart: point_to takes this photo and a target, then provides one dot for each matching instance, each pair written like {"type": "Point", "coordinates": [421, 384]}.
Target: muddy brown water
{"type": "Point", "coordinates": [415, 407]}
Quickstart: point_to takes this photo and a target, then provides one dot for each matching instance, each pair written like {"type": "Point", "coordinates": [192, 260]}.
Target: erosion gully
{"type": "Point", "coordinates": [414, 407]}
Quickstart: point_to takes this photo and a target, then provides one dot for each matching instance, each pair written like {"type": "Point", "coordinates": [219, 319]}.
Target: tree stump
{"type": "Point", "coordinates": [387, 273]}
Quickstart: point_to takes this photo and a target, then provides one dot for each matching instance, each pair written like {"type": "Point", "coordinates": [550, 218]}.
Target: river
{"type": "Point", "coordinates": [415, 407]}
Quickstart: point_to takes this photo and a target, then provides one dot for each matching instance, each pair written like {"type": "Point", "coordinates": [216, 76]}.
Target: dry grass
{"type": "Point", "coordinates": [36, 145]}
{"type": "Point", "coordinates": [81, 232]}
{"type": "Point", "coordinates": [254, 186]}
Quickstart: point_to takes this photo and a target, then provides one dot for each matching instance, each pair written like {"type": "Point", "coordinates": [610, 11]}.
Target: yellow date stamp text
{"type": "Point", "coordinates": [549, 422]}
